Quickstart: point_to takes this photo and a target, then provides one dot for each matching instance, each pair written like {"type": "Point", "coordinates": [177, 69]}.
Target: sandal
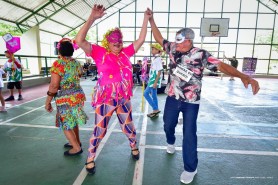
{"type": "Point", "coordinates": [154, 114]}
{"type": "Point", "coordinates": [91, 170]}
{"type": "Point", "coordinates": [135, 156]}
{"type": "Point", "coordinates": [150, 114]}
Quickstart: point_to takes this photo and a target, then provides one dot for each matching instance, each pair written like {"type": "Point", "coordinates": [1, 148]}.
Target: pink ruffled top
{"type": "Point", "coordinates": [115, 74]}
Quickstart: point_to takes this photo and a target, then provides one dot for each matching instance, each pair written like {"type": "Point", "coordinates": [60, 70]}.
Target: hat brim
{"type": "Point", "coordinates": [154, 46]}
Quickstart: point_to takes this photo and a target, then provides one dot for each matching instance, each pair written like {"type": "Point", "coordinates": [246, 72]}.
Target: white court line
{"type": "Point", "coordinates": [27, 125]}
{"type": "Point", "coordinates": [149, 132]}
{"type": "Point", "coordinates": [223, 110]}
{"type": "Point", "coordinates": [82, 175]}
{"type": "Point", "coordinates": [256, 106]}
{"type": "Point", "coordinates": [26, 102]}
{"type": "Point", "coordinates": [223, 151]}
{"type": "Point", "coordinates": [34, 138]}
{"type": "Point", "coordinates": [241, 123]}
{"type": "Point", "coordinates": [138, 171]}
{"type": "Point", "coordinates": [40, 126]}
{"type": "Point", "coordinates": [217, 135]}
{"type": "Point", "coordinates": [21, 115]}
{"type": "Point", "coordinates": [238, 136]}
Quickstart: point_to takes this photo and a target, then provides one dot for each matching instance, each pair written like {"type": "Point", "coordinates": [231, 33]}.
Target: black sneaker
{"type": "Point", "coordinates": [9, 98]}
{"type": "Point", "coordinates": [20, 97]}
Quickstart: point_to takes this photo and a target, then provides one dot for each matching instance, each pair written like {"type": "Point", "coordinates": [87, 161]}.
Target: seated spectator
{"type": "Point", "coordinates": [86, 68]}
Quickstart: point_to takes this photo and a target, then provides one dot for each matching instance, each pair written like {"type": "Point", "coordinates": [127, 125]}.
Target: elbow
{"type": "Point", "coordinates": [78, 41]}
{"type": "Point", "coordinates": [220, 66]}
{"type": "Point", "coordinates": [159, 40]}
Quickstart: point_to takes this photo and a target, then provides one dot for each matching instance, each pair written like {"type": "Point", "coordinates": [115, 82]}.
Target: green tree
{"type": "Point", "coordinates": [7, 28]}
{"type": "Point", "coordinates": [89, 37]}
{"type": "Point", "coordinates": [266, 39]}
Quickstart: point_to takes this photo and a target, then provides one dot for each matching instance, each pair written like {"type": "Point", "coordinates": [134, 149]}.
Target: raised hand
{"type": "Point", "coordinates": [148, 13]}
{"type": "Point", "coordinates": [98, 11]}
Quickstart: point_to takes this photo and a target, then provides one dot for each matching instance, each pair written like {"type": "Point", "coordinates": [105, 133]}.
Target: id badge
{"type": "Point", "coordinates": [183, 73]}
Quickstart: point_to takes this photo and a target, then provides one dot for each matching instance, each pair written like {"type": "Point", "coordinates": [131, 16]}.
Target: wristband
{"type": "Point", "coordinates": [51, 94]}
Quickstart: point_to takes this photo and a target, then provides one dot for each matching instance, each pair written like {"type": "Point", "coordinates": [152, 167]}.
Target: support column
{"type": "Point", "coordinates": [30, 45]}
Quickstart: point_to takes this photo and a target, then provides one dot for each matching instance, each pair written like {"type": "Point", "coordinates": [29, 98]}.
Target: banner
{"type": "Point", "coordinates": [249, 65]}
{"type": "Point", "coordinates": [12, 43]}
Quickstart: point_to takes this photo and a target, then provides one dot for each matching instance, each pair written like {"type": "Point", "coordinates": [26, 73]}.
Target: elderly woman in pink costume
{"type": "Point", "coordinates": [114, 86]}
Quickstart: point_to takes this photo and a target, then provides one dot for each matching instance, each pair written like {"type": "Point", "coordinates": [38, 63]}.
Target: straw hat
{"type": "Point", "coordinates": [157, 46]}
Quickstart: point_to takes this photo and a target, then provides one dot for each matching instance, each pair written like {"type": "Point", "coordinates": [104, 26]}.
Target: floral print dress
{"type": "Point", "coordinates": [70, 97]}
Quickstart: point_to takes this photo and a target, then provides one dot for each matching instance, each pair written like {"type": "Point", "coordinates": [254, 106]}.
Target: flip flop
{"type": "Point", "coordinates": [150, 114]}
{"type": "Point", "coordinates": [154, 114]}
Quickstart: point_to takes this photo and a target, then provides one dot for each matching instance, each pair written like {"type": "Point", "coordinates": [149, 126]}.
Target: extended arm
{"type": "Point", "coordinates": [246, 80]}
{"type": "Point", "coordinates": [156, 33]}
{"type": "Point", "coordinates": [139, 42]}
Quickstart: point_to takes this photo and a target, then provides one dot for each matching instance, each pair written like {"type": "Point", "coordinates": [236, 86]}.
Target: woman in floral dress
{"type": "Point", "coordinates": [69, 96]}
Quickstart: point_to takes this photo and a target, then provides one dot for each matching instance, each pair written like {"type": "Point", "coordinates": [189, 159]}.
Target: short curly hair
{"type": "Point", "coordinates": [66, 49]}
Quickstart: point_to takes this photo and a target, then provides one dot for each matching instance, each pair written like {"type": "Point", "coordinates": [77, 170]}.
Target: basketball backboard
{"type": "Point", "coordinates": [214, 27]}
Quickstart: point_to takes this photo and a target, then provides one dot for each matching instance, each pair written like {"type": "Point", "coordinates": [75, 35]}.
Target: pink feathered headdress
{"type": "Point", "coordinates": [75, 46]}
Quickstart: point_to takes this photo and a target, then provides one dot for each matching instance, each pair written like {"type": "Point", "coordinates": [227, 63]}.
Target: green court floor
{"type": "Point", "coordinates": [237, 142]}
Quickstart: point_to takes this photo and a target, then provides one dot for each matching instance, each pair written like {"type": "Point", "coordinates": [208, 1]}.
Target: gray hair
{"type": "Point", "coordinates": [188, 33]}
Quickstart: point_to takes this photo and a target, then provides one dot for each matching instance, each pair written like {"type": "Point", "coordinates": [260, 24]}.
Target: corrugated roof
{"type": "Point", "coordinates": [54, 16]}
{"type": "Point", "coordinates": [271, 4]}
{"type": "Point", "coordinates": [62, 16]}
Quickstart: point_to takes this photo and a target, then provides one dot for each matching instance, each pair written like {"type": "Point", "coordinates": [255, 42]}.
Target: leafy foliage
{"type": "Point", "coordinates": [266, 39]}
{"type": "Point", "coordinates": [73, 33]}
{"type": "Point", "coordinates": [7, 28]}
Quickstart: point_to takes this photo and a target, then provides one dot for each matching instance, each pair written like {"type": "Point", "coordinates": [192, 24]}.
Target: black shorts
{"type": "Point", "coordinates": [17, 85]}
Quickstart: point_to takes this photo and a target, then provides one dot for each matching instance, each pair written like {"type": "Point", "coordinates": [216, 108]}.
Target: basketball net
{"type": "Point", "coordinates": [215, 34]}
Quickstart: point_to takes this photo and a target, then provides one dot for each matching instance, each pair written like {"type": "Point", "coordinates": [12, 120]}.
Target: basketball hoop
{"type": "Point", "coordinates": [215, 34]}
{"type": "Point", "coordinates": [214, 27]}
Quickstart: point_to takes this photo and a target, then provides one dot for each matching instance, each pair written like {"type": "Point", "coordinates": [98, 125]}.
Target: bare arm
{"type": "Point", "coordinates": [139, 42]}
{"type": "Point", "coordinates": [53, 88]}
{"type": "Point", "coordinates": [156, 33]}
{"type": "Point", "coordinates": [97, 12]}
{"type": "Point", "coordinates": [246, 80]}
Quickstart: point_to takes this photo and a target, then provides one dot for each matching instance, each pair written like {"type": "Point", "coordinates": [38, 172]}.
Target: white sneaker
{"type": "Point", "coordinates": [187, 177]}
{"type": "Point", "coordinates": [170, 149]}
{"type": "Point", "coordinates": [3, 109]}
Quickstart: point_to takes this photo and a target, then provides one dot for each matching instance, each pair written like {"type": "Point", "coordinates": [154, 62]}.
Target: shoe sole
{"type": "Point", "coordinates": [188, 182]}
{"type": "Point", "coordinates": [169, 152]}
{"type": "Point", "coordinates": [66, 153]}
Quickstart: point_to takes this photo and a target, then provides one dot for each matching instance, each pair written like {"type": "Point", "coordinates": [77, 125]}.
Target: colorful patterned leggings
{"type": "Point", "coordinates": [103, 114]}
